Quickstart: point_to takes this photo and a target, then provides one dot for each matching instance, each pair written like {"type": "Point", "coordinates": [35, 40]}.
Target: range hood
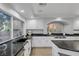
{"type": "Point", "coordinates": [59, 20]}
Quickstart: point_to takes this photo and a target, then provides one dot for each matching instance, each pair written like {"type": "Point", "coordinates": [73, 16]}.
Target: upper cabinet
{"type": "Point", "coordinates": [17, 24]}
{"type": "Point", "coordinates": [76, 25]}
{"type": "Point", "coordinates": [5, 25]}
{"type": "Point", "coordinates": [17, 27]}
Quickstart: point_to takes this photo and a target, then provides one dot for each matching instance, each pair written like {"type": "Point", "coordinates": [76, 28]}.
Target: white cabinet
{"type": "Point", "coordinates": [17, 24]}
{"type": "Point", "coordinates": [27, 48]}
{"type": "Point", "coordinates": [17, 27]}
{"type": "Point", "coordinates": [41, 42]}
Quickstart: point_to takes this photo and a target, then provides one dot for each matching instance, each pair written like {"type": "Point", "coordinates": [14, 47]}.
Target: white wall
{"type": "Point", "coordinates": [76, 25]}
{"type": "Point", "coordinates": [34, 24]}
{"type": "Point", "coordinates": [37, 24]}
{"type": "Point", "coordinates": [69, 28]}
{"type": "Point", "coordinates": [42, 24]}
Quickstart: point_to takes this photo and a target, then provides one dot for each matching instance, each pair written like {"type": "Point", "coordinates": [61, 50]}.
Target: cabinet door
{"type": "Point", "coordinates": [27, 48]}
{"type": "Point", "coordinates": [17, 24]}
{"type": "Point", "coordinates": [17, 27]}
{"type": "Point", "coordinates": [41, 42]}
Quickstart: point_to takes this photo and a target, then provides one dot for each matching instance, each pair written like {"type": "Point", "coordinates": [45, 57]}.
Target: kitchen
{"type": "Point", "coordinates": [39, 29]}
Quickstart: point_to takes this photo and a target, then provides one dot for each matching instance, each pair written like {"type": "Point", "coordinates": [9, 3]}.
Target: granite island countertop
{"type": "Point", "coordinates": [57, 36]}
{"type": "Point", "coordinates": [68, 45]}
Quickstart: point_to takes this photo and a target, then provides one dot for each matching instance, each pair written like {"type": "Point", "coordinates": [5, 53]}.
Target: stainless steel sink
{"type": "Point", "coordinates": [67, 44]}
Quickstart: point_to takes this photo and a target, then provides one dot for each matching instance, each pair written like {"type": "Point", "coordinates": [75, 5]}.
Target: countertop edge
{"type": "Point", "coordinates": [9, 40]}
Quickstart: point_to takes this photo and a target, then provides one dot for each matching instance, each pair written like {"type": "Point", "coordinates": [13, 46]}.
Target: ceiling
{"type": "Point", "coordinates": [27, 7]}
{"type": "Point", "coordinates": [49, 10]}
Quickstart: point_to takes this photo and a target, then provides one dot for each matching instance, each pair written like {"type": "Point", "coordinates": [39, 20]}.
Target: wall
{"type": "Point", "coordinates": [34, 24]}
{"type": "Point", "coordinates": [42, 24]}
{"type": "Point", "coordinates": [37, 24]}
{"type": "Point", "coordinates": [69, 27]}
{"type": "Point", "coordinates": [76, 25]}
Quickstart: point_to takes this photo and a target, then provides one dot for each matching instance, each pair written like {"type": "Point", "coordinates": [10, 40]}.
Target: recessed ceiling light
{"type": "Point", "coordinates": [22, 11]}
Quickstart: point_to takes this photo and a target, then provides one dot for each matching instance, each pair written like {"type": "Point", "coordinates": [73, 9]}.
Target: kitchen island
{"type": "Point", "coordinates": [52, 41]}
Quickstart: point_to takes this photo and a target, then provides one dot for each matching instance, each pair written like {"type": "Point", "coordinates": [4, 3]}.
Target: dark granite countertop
{"type": "Point", "coordinates": [68, 45]}
{"type": "Point", "coordinates": [56, 34]}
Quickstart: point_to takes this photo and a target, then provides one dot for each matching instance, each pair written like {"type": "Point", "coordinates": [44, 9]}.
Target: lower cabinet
{"type": "Point", "coordinates": [41, 42]}
{"type": "Point", "coordinates": [27, 48]}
